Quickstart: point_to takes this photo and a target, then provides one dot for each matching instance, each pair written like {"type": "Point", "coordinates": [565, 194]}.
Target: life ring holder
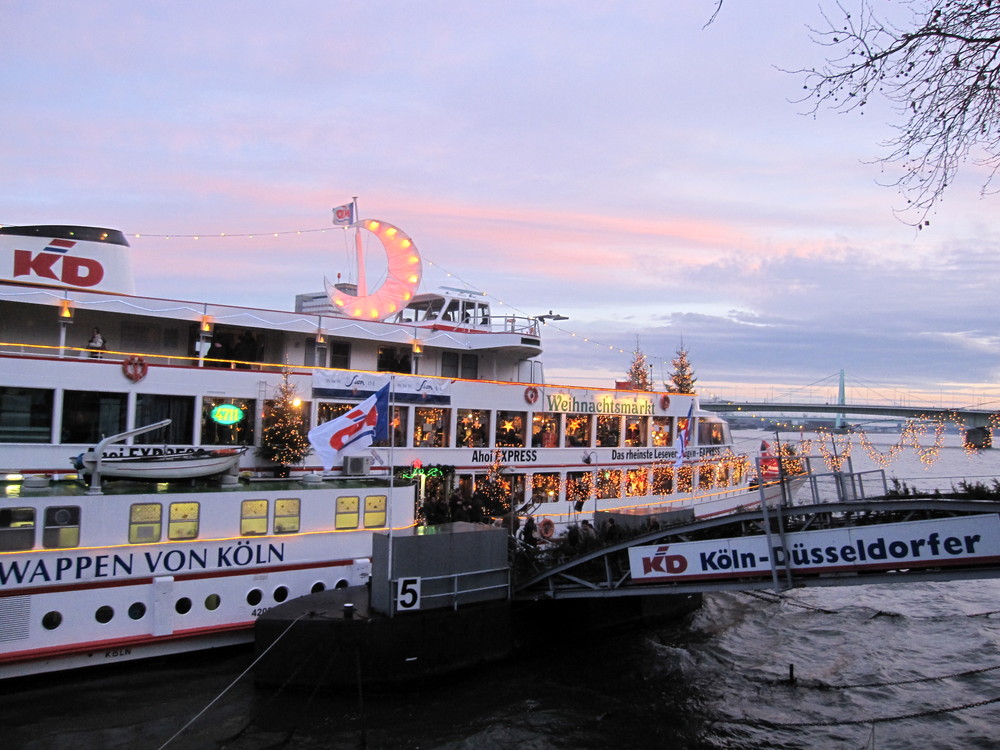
{"type": "Point", "coordinates": [664, 402]}
{"type": "Point", "coordinates": [531, 394]}
{"type": "Point", "coordinates": [135, 368]}
{"type": "Point", "coordinates": [546, 528]}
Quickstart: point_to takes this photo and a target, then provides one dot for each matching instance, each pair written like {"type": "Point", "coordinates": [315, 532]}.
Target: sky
{"type": "Point", "coordinates": [625, 164]}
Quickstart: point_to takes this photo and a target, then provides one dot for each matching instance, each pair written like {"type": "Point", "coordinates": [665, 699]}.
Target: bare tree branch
{"type": "Point", "coordinates": [941, 72]}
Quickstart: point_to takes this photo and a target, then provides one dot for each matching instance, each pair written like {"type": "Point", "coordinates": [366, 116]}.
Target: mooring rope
{"type": "Point", "coordinates": [231, 684]}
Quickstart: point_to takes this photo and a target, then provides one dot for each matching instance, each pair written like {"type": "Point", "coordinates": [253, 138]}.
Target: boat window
{"type": "Point", "coordinates": [394, 359]}
{"type": "Point", "coordinates": [375, 514]}
{"type": "Point", "coordinates": [451, 312]}
{"type": "Point", "coordinates": [711, 432]}
{"type": "Point", "coordinates": [145, 523]}
{"type": "Point", "coordinates": [683, 477]}
{"type": "Point", "coordinates": [151, 408]}
{"type": "Point", "coordinates": [663, 480]}
{"type": "Point", "coordinates": [347, 513]}
{"type": "Point", "coordinates": [636, 482]}
{"type": "Point", "coordinates": [663, 431]}
{"type": "Point", "coordinates": [17, 529]}
{"type": "Point", "coordinates": [398, 429]}
{"type": "Point", "coordinates": [430, 427]}
{"type": "Point", "coordinates": [254, 596]}
{"type": "Point", "coordinates": [212, 602]}
{"type": "Point", "coordinates": [460, 365]}
{"type": "Point", "coordinates": [635, 431]}
{"type": "Point", "coordinates": [88, 416]}
{"type": "Point", "coordinates": [104, 614]}
{"type": "Point", "coordinates": [609, 484]}
{"type": "Point", "coordinates": [609, 429]}
{"type": "Point", "coordinates": [545, 487]}
{"type": "Point", "coordinates": [545, 430]}
{"type": "Point", "coordinates": [579, 488]}
{"type": "Point", "coordinates": [705, 476]}
{"type": "Point", "coordinates": [52, 620]}
{"type": "Point", "coordinates": [340, 354]}
{"type": "Point", "coordinates": [510, 429]}
{"type": "Point", "coordinates": [286, 515]}
{"type": "Point", "coordinates": [25, 415]}
{"type": "Point", "coordinates": [183, 521]}
{"type": "Point", "coordinates": [62, 527]}
{"type": "Point", "coordinates": [577, 431]}
{"type": "Point", "coordinates": [253, 517]}
{"type": "Point", "coordinates": [230, 425]}
{"type": "Point", "coordinates": [136, 611]}
{"type": "Point", "coordinates": [473, 428]}
{"type": "Point", "coordinates": [514, 488]}
{"type": "Point", "coordinates": [331, 410]}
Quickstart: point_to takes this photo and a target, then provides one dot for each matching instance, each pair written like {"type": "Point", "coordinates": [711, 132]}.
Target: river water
{"type": "Point", "coordinates": [903, 666]}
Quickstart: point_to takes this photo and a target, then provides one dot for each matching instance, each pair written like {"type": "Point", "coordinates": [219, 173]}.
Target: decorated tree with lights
{"type": "Point", "coordinates": [284, 440]}
{"type": "Point", "coordinates": [682, 377]}
{"type": "Point", "coordinates": [638, 372]}
{"type": "Point", "coordinates": [494, 489]}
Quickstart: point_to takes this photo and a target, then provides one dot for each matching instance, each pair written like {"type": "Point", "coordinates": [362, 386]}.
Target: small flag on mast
{"type": "Point", "coordinates": [343, 216]}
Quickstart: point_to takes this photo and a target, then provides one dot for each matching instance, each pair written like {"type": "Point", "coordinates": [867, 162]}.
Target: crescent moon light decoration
{"type": "Point", "coordinates": [402, 280]}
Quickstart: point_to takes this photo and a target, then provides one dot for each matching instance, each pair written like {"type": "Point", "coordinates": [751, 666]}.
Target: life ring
{"type": "Point", "coordinates": [664, 402]}
{"type": "Point", "coordinates": [135, 368]}
{"type": "Point", "coordinates": [531, 394]}
{"type": "Point", "coordinates": [546, 528]}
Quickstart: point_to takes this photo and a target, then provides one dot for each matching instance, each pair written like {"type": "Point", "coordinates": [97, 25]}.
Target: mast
{"type": "Point", "coordinates": [359, 251]}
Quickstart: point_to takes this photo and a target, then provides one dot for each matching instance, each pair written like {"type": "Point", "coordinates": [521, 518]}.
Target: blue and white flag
{"type": "Point", "coordinates": [343, 216]}
{"type": "Point", "coordinates": [684, 436]}
{"type": "Point", "coordinates": [354, 431]}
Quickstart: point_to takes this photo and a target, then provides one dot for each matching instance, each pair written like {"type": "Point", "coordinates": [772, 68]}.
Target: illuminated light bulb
{"type": "Point", "coordinates": [373, 225]}
{"type": "Point", "coordinates": [391, 231]}
{"type": "Point", "coordinates": [356, 312]}
{"type": "Point", "coordinates": [405, 243]}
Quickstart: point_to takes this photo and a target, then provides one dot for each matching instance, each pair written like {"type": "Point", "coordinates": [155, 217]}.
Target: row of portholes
{"type": "Point", "coordinates": [104, 614]}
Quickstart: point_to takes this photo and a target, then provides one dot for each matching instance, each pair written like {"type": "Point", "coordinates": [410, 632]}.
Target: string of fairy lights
{"type": "Point", "coordinates": [449, 274]}
{"type": "Point", "coordinates": [924, 435]}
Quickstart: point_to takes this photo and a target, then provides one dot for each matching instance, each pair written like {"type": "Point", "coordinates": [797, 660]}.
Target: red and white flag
{"type": "Point", "coordinates": [343, 216]}
{"type": "Point", "coordinates": [354, 431]}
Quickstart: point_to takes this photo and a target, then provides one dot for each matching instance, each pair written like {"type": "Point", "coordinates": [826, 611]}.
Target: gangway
{"type": "Point", "coordinates": [852, 542]}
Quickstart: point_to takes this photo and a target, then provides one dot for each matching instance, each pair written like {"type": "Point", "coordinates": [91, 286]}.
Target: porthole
{"type": "Point", "coordinates": [183, 605]}
{"type": "Point", "coordinates": [317, 587]}
{"type": "Point", "coordinates": [212, 602]}
{"type": "Point", "coordinates": [104, 614]}
{"type": "Point", "coordinates": [51, 620]}
{"type": "Point", "coordinates": [341, 584]}
{"type": "Point", "coordinates": [280, 594]}
{"type": "Point", "coordinates": [137, 611]}
{"type": "Point", "coordinates": [254, 597]}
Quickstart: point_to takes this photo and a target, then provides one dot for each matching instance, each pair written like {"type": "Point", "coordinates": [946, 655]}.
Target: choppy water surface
{"type": "Point", "coordinates": [920, 656]}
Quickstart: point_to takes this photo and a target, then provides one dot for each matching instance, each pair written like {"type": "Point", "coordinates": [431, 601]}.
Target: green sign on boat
{"type": "Point", "coordinates": [227, 414]}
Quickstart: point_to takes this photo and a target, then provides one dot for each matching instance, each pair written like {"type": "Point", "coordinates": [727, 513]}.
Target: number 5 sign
{"type": "Point", "coordinates": [408, 594]}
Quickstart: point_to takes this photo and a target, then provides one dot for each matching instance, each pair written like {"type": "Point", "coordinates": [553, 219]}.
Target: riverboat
{"type": "Point", "coordinates": [132, 570]}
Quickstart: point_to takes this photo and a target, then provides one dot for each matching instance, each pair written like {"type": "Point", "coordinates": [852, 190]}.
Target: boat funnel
{"type": "Point", "coordinates": [83, 258]}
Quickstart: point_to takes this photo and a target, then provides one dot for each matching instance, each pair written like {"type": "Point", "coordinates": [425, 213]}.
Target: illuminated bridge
{"type": "Point", "coordinates": [977, 422]}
